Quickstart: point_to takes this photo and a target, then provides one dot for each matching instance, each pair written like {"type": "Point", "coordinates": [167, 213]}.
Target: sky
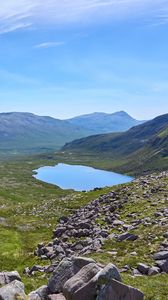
{"type": "Point", "coordinates": [72, 57]}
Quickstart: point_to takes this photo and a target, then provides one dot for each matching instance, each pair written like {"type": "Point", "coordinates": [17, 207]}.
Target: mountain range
{"type": "Point", "coordinates": [144, 146]}
{"type": "Point", "coordinates": [29, 133]}
{"type": "Point", "coordinates": [99, 122]}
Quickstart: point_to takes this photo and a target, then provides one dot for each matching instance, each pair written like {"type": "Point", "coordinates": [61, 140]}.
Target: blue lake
{"type": "Point", "coordinates": [79, 178]}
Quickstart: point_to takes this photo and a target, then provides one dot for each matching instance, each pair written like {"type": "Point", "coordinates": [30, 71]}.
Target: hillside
{"type": "Point", "coordinates": [105, 123]}
{"type": "Point", "coordinates": [143, 146]}
{"type": "Point", "coordinates": [31, 211]}
{"type": "Point", "coordinates": [25, 132]}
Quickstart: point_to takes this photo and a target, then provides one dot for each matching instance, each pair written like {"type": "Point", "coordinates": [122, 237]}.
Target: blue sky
{"type": "Point", "coordinates": [65, 58]}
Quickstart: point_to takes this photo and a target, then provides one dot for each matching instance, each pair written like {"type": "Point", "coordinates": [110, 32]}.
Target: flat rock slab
{"type": "Point", "coordinates": [119, 291]}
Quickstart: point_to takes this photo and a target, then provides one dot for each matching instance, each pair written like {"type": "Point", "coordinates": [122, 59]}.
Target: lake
{"type": "Point", "coordinates": [79, 178]}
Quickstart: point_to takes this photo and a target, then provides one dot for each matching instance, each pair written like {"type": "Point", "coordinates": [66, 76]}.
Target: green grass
{"type": "Point", "coordinates": [31, 208]}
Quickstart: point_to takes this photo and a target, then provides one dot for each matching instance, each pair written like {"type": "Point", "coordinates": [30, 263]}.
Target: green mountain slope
{"type": "Point", "coordinates": [25, 132]}
{"type": "Point", "coordinates": [105, 123]}
{"type": "Point", "coordinates": [144, 147]}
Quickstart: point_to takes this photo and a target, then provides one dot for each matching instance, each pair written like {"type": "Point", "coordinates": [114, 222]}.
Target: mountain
{"type": "Point", "coordinates": [25, 132]}
{"type": "Point", "coordinates": [29, 133]}
{"type": "Point", "coordinates": [144, 146]}
{"type": "Point", "coordinates": [105, 123]}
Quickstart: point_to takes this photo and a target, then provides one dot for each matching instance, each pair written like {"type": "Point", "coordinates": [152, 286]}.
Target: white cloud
{"type": "Point", "coordinates": [17, 14]}
{"type": "Point", "coordinates": [50, 44]}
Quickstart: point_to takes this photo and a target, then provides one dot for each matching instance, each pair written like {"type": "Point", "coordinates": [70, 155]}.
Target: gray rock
{"type": "Point", "coordinates": [77, 287]}
{"type": "Point", "coordinates": [118, 222]}
{"type": "Point", "coordinates": [136, 272]}
{"type": "Point", "coordinates": [7, 277]}
{"type": "Point", "coordinates": [127, 237]}
{"type": "Point", "coordinates": [119, 291]}
{"type": "Point", "coordinates": [12, 290]}
{"type": "Point", "coordinates": [65, 270]}
{"type": "Point", "coordinates": [56, 297]}
{"type": "Point", "coordinates": [161, 255]}
{"type": "Point", "coordinates": [142, 268]}
{"type": "Point", "coordinates": [108, 273]}
{"type": "Point", "coordinates": [163, 265]}
{"type": "Point", "coordinates": [153, 271]}
{"type": "Point", "coordinates": [39, 294]}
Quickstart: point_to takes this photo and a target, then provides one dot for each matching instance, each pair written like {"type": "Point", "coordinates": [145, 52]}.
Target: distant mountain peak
{"type": "Point", "coordinates": [101, 122]}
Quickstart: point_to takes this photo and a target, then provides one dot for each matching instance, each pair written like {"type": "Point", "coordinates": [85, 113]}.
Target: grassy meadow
{"type": "Point", "coordinates": [29, 210]}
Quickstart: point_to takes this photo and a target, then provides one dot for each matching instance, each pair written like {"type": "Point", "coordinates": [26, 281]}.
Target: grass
{"type": "Point", "coordinates": [30, 210]}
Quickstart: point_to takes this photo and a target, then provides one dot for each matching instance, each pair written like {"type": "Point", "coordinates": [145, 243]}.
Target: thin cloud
{"type": "Point", "coordinates": [17, 14]}
{"type": "Point", "coordinates": [13, 27]}
{"type": "Point", "coordinates": [49, 45]}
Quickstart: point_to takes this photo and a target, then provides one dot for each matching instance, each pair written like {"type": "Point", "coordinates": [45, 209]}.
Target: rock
{"type": "Point", "coordinates": [136, 272]}
{"type": "Point", "coordinates": [7, 277]}
{"type": "Point", "coordinates": [36, 268]}
{"type": "Point", "coordinates": [34, 296]}
{"type": "Point", "coordinates": [127, 236]}
{"type": "Point", "coordinates": [163, 265]}
{"type": "Point", "coordinates": [39, 294]}
{"type": "Point", "coordinates": [119, 291]}
{"type": "Point", "coordinates": [12, 290]}
{"type": "Point", "coordinates": [108, 273]}
{"type": "Point", "coordinates": [165, 235]}
{"type": "Point", "coordinates": [59, 231]}
{"type": "Point", "coordinates": [142, 268]}
{"type": "Point", "coordinates": [56, 297]}
{"type": "Point", "coordinates": [77, 286]}
{"type": "Point", "coordinates": [153, 271]}
{"type": "Point", "coordinates": [65, 270]}
{"type": "Point", "coordinates": [118, 222]}
{"type": "Point", "coordinates": [161, 255]}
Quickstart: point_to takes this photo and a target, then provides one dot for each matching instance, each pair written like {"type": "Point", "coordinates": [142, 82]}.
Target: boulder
{"type": "Point", "coordinates": [165, 235]}
{"type": "Point", "coordinates": [7, 277]}
{"type": "Point", "coordinates": [12, 290]}
{"type": "Point", "coordinates": [119, 291]}
{"type": "Point", "coordinates": [80, 285]}
{"type": "Point", "coordinates": [163, 265]}
{"type": "Point", "coordinates": [143, 269]}
{"type": "Point", "coordinates": [161, 255]}
{"type": "Point", "coordinates": [136, 272]}
{"type": "Point", "coordinates": [83, 287]}
{"type": "Point", "coordinates": [39, 294]}
{"type": "Point", "coordinates": [65, 270]}
{"type": "Point", "coordinates": [127, 237]}
{"type": "Point", "coordinates": [153, 271]}
{"type": "Point", "coordinates": [107, 274]}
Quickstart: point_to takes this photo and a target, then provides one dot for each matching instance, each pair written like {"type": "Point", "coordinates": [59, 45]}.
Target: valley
{"type": "Point", "coordinates": [124, 224]}
{"type": "Point", "coordinates": [31, 209]}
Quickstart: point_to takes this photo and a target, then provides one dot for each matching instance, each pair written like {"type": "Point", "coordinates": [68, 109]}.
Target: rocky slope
{"type": "Point", "coordinates": [73, 279]}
